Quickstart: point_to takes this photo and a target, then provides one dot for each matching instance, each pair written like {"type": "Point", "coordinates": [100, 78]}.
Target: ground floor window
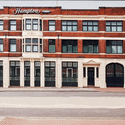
{"type": "Point", "coordinates": [1, 73]}
{"type": "Point", "coordinates": [50, 73]}
{"type": "Point", "coordinates": [37, 73]}
{"type": "Point", "coordinates": [27, 73]}
{"type": "Point", "coordinates": [114, 75]}
{"type": "Point", "coordinates": [69, 74]}
{"type": "Point", "coordinates": [14, 73]}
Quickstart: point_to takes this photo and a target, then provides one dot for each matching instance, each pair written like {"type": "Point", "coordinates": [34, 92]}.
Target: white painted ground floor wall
{"type": "Point", "coordinates": [82, 81]}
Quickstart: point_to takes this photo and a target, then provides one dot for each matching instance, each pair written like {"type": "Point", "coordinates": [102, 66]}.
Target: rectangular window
{"type": "Point", "coordinates": [35, 24]}
{"type": "Point", "coordinates": [97, 72]}
{"type": "Point", "coordinates": [52, 46]}
{"type": "Point", "coordinates": [1, 45]}
{"type": "Point", "coordinates": [12, 45]}
{"type": "Point", "coordinates": [51, 25]}
{"type": "Point", "coordinates": [50, 74]}
{"type": "Point", "coordinates": [69, 74]}
{"type": "Point", "coordinates": [1, 25]}
{"type": "Point", "coordinates": [14, 73]}
{"type": "Point", "coordinates": [69, 46]}
{"type": "Point", "coordinates": [27, 73]}
{"type": "Point", "coordinates": [69, 25]}
{"type": "Point", "coordinates": [90, 46]}
{"type": "Point", "coordinates": [12, 25]}
{"type": "Point", "coordinates": [28, 24]}
{"type": "Point", "coordinates": [90, 25]}
{"type": "Point", "coordinates": [35, 48]}
{"type": "Point", "coordinates": [114, 26]}
{"type": "Point", "coordinates": [84, 71]}
{"type": "Point", "coordinates": [113, 46]}
{"type": "Point", "coordinates": [28, 48]}
{"type": "Point", "coordinates": [40, 25]}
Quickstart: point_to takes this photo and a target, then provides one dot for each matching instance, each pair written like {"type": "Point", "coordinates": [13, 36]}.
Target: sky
{"type": "Point", "coordinates": [80, 4]}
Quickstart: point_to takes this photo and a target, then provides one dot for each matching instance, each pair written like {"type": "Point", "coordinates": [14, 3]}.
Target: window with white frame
{"type": "Point", "coordinates": [51, 25]}
{"type": "Point", "coordinates": [12, 45]}
{"type": "Point", "coordinates": [32, 45]}
{"type": "Point", "coordinates": [32, 24]}
{"type": "Point", "coordinates": [28, 24]}
{"type": "Point", "coordinates": [35, 24]}
{"type": "Point", "coordinates": [1, 25]}
{"type": "Point", "coordinates": [1, 45]}
{"type": "Point", "coordinates": [12, 25]}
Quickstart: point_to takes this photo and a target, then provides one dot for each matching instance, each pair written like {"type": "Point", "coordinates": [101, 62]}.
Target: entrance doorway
{"type": "Point", "coordinates": [114, 75]}
{"type": "Point", "coordinates": [91, 76]}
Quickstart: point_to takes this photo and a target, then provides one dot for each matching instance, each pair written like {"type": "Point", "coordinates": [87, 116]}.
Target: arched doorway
{"type": "Point", "coordinates": [114, 75]}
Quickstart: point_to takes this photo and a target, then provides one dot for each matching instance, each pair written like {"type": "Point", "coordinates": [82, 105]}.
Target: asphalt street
{"type": "Point", "coordinates": [62, 94]}
{"type": "Point", "coordinates": [41, 112]}
{"type": "Point", "coordinates": [62, 104]}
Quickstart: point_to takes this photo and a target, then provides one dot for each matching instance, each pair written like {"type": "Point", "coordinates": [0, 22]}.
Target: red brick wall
{"type": "Point", "coordinates": [80, 46]}
{"type": "Point", "coordinates": [6, 24]}
{"type": "Point", "coordinates": [102, 46]}
{"type": "Point", "coordinates": [45, 25]}
{"type": "Point", "coordinates": [84, 56]}
{"type": "Point", "coordinates": [124, 25]}
{"type": "Point", "coordinates": [6, 46]}
{"type": "Point", "coordinates": [45, 45]}
{"type": "Point", "coordinates": [58, 45]}
{"type": "Point", "coordinates": [102, 25]}
{"type": "Point", "coordinates": [123, 46]}
{"type": "Point", "coordinates": [58, 24]}
{"type": "Point", "coordinates": [79, 25]}
{"type": "Point", "coordinates": [19, 45]}
{"type": "Point", "coordinates": [19, 24]}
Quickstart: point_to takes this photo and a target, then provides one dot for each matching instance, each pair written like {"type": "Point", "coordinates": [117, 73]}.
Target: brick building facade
{"type": "Point", "coordinates": [54, 47]}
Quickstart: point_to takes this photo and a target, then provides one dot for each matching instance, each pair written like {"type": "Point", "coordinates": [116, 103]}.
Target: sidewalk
{"type": "Point", "coordinates": [46, 89]}
{"type": "Point", "coordinates": [64, 89]}
{"type": "Point", "coordinates": [110, 89]}
{"type": "Point", "coordinates": [19, 121]}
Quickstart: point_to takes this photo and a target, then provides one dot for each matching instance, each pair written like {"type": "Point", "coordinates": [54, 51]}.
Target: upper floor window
{"type": "Point", "coordinates": [32, 45]}
{"type": "Point", "coordinates": [35, 24]}
{"type": "Point", "coordinates": [90, 25]}
{"type": "Point", "coordinates": [52, 46]}
{"type": "Point", "coordinates": [113, 46]}
{"type": "Point", "coordinates": [32, 24]}
{"type": "Point", "coordinates": [69, 25]}
{"type": "Point", "coordinates": [69, 46]}
{"type": "Point", "coordinates": [13, 25]}
{"type": "Point", "coordinates": [28, 24]}
{"type": "Point", "coordinates": [12, 45]}
{"type": "Point", "coordinates": [113, 26]}
{"type": "Point", "coordinates": [1, 25]}
{"type": "Point", "coordinates": [1, 45]}
{"type": "Point", "coordinates": [51, 25]}
{"type": "Point", "coordinates": [90, 46]}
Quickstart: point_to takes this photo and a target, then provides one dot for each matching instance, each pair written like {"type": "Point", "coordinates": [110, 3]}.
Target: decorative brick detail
{"type": "Point", "coordinates": [79, 22]}
{"type": "Point", "coordinates": [45, 45]}
{"type": "Point", "coordinates": [80, 46]}
{"type": "Point", "coordinates": [58, 44]}
{"type": "Point", "coordinates": [102, 25]}
{"type": "Point", "coordinates": [102, 46]}
{"type": "Point", "coordinates": [58, 24]}
{"type": "Point", "coordinates": [45, 25]}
